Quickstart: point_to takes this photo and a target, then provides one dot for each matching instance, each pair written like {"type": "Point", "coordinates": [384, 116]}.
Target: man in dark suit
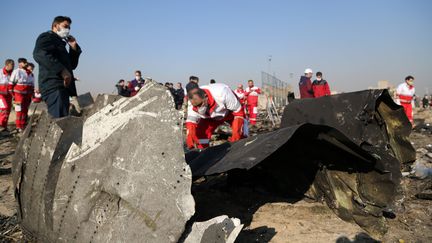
{"type": "Point", "coordinates": [56, 65]}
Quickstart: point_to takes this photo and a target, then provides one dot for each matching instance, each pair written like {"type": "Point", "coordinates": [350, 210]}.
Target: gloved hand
{"type": "Point", "coordinates": [237, 129]}
{"type": "Point", "coordinates": [137, 88]}
{"type": "Point", "coordinates": [191, 137]}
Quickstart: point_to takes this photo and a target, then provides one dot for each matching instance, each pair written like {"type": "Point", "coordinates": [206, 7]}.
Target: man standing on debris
{"type": "Point", "coordinates": [56, 65]}
{"type": "Point", "coordinates": [5, 93]}
{"type": "Point", "coordinates": [23, 81]}
{"type": "Point", "coordinates": [136, 84]}
{"type": "Point", "coordinates": [211, 106]}
{"type": "Point", "coordinates": [251, 94]}
{"type": "Point", "coordinates": [320, 86]}
{"type": "Point", "coordinates": [404, 94]}
{"type": "Point", "coordinates": [305, 85]}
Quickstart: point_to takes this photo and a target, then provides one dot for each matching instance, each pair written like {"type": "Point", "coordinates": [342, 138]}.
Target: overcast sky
{"type": "Point", "coordinates": [354, 43]}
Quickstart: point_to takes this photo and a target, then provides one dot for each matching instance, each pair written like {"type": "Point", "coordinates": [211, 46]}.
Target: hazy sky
{"type": "Point", "coordinates": [354, 43]}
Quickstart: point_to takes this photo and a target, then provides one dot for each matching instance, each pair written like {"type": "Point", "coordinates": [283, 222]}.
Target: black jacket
{"type": "Point", "coordinates": [179, 96]}
{"type": "Point", "coordinates": [123, 91]}
{"type": "Point", "coordinates": [52, 56]}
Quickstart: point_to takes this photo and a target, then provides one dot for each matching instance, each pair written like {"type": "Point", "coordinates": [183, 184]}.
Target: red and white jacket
{"type": "Point", "coordinates": [252, 95]}
{"type": "Point", "coordinates": [23, 81]}
{"type": "Point", "coordinates": [5, 81]}
{"type": "Point", "coordinates": [221, 101]}
{"type": "Point", "coordinates": [241, 95]}
{"type": "Point", "coordinates": [405, 94]}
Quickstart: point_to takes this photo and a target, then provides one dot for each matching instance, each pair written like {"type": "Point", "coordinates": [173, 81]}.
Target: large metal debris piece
{"type": "Point", "coordinates": [221, 229]}
{"type": "Point", "coordinates": [368, 117]}
{"type": "Point", "coordinates": [115, 175]}
{"type": "Point", "coordinates": [344, 148]}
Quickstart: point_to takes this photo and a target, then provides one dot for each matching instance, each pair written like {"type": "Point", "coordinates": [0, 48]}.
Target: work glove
{"type": "Point", "coordinates": [237, 129]}
{"type": "Point", "coordinates": [191, 137]}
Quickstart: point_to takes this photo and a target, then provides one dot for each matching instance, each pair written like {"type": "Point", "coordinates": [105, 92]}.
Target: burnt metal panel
{"type": "Point", "coordinates": [117, 174]}
{"type": "Point", "coordinates": [344, 148]}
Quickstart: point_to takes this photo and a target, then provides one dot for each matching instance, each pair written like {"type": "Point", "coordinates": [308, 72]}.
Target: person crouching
{"type": "Point", "coordinates": [211, 106]}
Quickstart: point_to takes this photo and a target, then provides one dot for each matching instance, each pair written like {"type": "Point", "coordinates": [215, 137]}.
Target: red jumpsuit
{"type": "Point", "coordinates": [222, 106]}
{"type": "Point", "coordinates": [252, 103]}
{"type": "Point", "coordinates": [5, 97]}
{"type": "Point", "coordinates": [241, 95]}
{"type": "Point", "coordinates": [22, 92]}
{"type": "Point", "coordinates": [320, 88]}
{"type": "Point", "coordinates": [405, 94]}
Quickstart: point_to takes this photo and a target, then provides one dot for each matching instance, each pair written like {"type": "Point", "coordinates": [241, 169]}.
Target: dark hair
{"type": "Point", "coordinates": [9, 61]}
{"type": "Point", "coordinates": [197, 91]}
{"type": "Point", "coordinates": [121, 80]}
{"type": "Point", "coordinates": [409, 77]}
{"type": "Point", "coordinates": [319, 74]}
{"type": "Point", "coordinates": [250, 80]}
{"type": "Point", "coordinates": [138, 71]}
{"type": "Point", "coordinates": [22, 59]}
{"type": "Point", "coordinates": [212, 81]}
{"type": "Point", "coordinates": [61, 19]}
{"type": "Point", "coordinates": [31, 64]}
{"type": "Point", "coordinates": [193, 78]}
{"type": "Point", "coordinates": [190, 86]}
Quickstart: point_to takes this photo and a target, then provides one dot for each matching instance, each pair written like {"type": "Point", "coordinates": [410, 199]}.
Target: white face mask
{"type": "Point", "coordinates": [202, 110]}
{"type": "Point", "coordinates": [137, 78]}
{"type": "Point", "coordinates": [63, 32]}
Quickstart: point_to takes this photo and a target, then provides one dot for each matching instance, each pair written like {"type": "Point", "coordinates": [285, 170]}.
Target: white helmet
{"type": "Point", "coordinates": [308, 70]}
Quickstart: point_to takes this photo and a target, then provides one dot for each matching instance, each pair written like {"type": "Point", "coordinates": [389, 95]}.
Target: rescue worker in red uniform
{"type": "Point", "coordinates": [240, 92]}
{"type": "Point", "coordinates": [404, 97]}
{"type": "Point", "coordinates": [252, 93]}
{"type": "Point", "coordinates": [209, 107]}
{"type": "Point", "coordinates": [320, 86]}
{"type": "Point", "coordinates": [5, 93]}
{"type": "Point", "coordinates": [23, 80]}
{"type": "Point", "coordinates": [305, 85]}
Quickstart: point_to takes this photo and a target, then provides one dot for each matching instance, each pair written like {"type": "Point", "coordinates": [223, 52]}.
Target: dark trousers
{"type": "Point", "coordinates": [57, 102]}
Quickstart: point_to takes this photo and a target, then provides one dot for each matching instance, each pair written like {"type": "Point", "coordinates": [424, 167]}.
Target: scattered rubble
{"type": "Point", "coordinates": [355, 170]}
{"type": "Point", "coordinates": [84, 191]}
{"type": "Point", "coordinates": [218, 230]}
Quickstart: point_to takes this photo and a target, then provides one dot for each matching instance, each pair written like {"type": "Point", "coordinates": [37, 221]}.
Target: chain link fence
{"type": "Point", "coordinates": [275, 89]}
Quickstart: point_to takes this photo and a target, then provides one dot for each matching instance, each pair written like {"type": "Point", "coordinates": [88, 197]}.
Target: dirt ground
{"type": "Point", "coordinates": [271, 219]}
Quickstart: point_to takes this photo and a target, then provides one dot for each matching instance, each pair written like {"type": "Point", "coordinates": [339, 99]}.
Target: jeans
{"type": "Point", "coordinates": [57, 102]}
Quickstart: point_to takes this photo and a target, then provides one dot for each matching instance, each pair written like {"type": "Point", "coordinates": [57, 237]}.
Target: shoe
{"type": "Point", "coordinates": [4, 131]}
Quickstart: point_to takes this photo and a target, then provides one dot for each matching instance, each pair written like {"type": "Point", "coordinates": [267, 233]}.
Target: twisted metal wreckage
{"type": "Point", "coordinates": [118, 172]}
